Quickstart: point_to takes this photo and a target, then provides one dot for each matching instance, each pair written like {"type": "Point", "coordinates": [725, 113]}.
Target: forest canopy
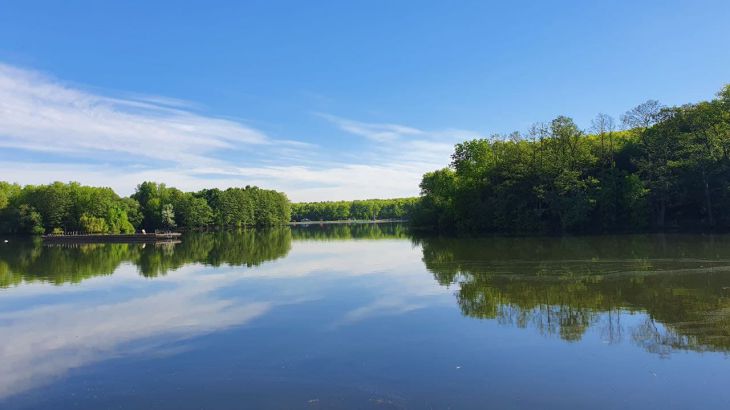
{"type": "Point", "coordinates": [666, 168]}
{"type": "Point", "coordinates": [72, 207]}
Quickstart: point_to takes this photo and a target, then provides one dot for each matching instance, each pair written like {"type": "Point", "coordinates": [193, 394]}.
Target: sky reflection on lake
{"type": "Point", "coordinates": [367, 318]}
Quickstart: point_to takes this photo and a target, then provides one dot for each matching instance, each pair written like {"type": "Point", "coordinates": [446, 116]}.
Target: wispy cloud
{"type": "Point", "coordinates": [373, 131]}
{"type": "Point", "coordinates": [403, 144]}
{"type": "Point", "coordinates": [39, 113]}
{"type": "Point", "coordinates": [300, 183]}
{"type": "Point", "coordinates": [123, 139]}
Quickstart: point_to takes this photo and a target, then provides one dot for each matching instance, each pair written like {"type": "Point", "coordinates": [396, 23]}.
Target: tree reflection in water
{"type": "Point", "coordinates": [661, 292]}
{"type": "Point", "coordinates": [28, 260]}
{"type": "Point", "coordinates": [678, 284]}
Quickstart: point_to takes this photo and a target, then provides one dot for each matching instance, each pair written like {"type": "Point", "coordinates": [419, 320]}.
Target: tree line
{"type": "Point", "coordinates": [369, 209]}
{"type": "Point", "coordinates": [666, 168]}
{"type": "Point", "coordinates": [72, 207]}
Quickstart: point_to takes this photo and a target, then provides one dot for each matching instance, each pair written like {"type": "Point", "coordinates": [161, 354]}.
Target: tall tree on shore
{"type": "Point", "coordinates": [670, 166]}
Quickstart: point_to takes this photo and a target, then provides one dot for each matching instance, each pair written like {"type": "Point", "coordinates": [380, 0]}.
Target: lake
{"type": "Point", "coordinates": [366, 316]}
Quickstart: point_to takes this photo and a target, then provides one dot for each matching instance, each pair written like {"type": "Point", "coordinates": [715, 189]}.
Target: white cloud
{"type": "Point", "coordinates": [373, 131]}
{"type": "Point", "coordinates": [121, 141]}
{"type": "Point", "coordinates": [38, 113]}
{"type": "Point", "coordinates": [300, 183]}
{"type": "Point", "coordinates": [402, 144]}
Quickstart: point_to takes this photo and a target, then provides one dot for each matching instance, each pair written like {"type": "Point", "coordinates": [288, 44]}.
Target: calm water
{"type": "Point", "coordinates": [367, 317]}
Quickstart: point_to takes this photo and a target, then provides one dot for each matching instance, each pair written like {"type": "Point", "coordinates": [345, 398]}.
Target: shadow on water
{"type": "Point", "coordinates": [565, 286]}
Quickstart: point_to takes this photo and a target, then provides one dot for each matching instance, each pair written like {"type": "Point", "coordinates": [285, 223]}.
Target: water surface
{"type": "Point", "coordinates": [366, 316]}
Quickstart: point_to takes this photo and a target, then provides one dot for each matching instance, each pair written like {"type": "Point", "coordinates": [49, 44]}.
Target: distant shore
{"type": "Point", "coordinates": [348, 221]}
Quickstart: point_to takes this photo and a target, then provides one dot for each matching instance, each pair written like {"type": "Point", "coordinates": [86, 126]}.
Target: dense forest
{"type": "Point", "coordinates": [666, 168]}
{"type": "Point", "coordinates": [397, 208]}
{"type": "Point", "coordinates": [72, 207]}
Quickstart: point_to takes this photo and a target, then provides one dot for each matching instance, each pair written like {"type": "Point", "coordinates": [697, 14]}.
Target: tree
{"type": "Point", "coordinates": [194, 212]}
{"type": "Point", "coordinates": [671, 166]}
{"type": "Point", "coordinates": [75, 207]}
{"type": "Point", "coordinates": [132, 209]}
{"type": "Point", "coordinates": [603, 126]}
{"type": "Point", "coordinates": [30, 220]}
{"type": "Point", "coordinates": [167, 216]}
{"type": "Point", "coordinates": [643, 115]}
{"type": "Point", "coordinates": [92, 224]}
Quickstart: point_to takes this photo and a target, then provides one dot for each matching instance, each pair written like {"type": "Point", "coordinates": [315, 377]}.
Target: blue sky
{"type": "Point", "coordinates": [324, 100]}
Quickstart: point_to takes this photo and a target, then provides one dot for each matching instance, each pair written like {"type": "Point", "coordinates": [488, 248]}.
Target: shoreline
{"type": "Point", "coordinates": [113, 238]}
{"type": "Point", "coordinates": [348, 221]}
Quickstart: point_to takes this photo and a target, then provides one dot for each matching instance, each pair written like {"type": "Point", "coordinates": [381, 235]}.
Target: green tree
{"type": "Point", "coordinates": [29, 220]}
{"type": "Point", "coordinates": [92, 224]}
{"type": "Point", "coordinates": [670, 167]}
{"type": "Point", "coordinates": [167, 216]}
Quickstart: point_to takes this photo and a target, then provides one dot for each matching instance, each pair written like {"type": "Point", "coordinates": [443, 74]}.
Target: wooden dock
{"type": "Point", "coordinates": [114, 238]}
